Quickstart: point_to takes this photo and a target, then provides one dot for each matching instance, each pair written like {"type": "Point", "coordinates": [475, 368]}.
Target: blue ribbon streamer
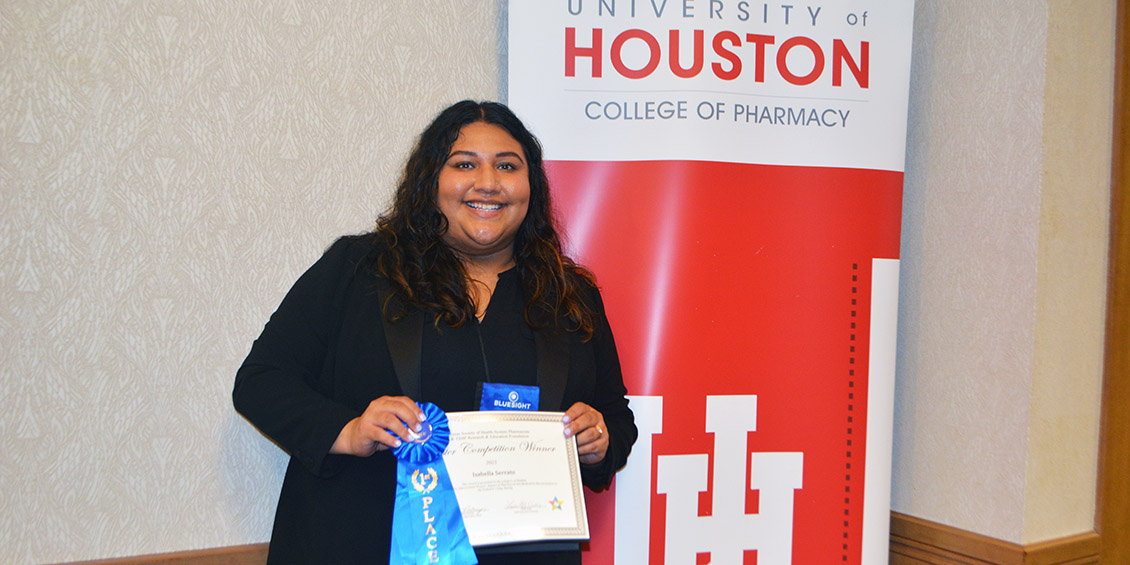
{"type": "Point", "coordinates": [427, 526]}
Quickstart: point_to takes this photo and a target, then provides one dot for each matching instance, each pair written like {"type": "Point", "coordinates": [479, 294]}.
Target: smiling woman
{"type": "Point", "coordinates": [484, 192]}
{"type": "Point", "coordinates": [463, 282]}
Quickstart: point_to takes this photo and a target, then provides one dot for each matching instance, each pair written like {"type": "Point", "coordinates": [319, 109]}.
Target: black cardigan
{"type": "Point", "coordinates": [328, 351]}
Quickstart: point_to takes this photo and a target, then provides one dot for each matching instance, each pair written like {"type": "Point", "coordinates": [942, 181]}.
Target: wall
{"type": "Point", "coordinates": [167, 170]}
{"type": "Point", "coordinates": [1003, 266]}
{"type": "Point", "coordinates": [1072, 265]}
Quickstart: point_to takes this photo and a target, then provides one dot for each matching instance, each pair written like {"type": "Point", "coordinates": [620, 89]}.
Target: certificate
{"type": "Point", "coordinates": [516, 476]}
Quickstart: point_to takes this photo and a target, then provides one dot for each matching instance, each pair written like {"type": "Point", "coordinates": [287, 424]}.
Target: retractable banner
{"type": "Point", "coordinates": [732, 172]}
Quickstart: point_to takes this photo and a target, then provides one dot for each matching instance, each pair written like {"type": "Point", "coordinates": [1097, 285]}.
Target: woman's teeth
{"type": "Point", "coordinates": [485, 207]}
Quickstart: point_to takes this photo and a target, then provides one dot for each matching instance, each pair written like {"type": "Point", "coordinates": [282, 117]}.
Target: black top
{"type": "Point", "coordinates": [498, 349]}
{"type": "Point", "coordinates": [328, 350]}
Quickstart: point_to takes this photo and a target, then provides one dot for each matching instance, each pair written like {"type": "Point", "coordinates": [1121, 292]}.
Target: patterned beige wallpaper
{"type": "Point", "coordinates": [167, 169]}
{"type": "Point", "coordinates": [970, 239]}
{"type": "Point", "coordinates": [1005, 220]}
{"type": "Point", "coordinates": [1071, 298]}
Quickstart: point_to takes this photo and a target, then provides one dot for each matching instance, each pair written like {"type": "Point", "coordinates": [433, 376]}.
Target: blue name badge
{"type": "Point", "coordinates": [502, 396]}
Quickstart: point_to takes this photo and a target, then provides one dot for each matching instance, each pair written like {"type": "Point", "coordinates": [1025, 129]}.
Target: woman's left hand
{"type": "Point", "coordinates": [587, 424]}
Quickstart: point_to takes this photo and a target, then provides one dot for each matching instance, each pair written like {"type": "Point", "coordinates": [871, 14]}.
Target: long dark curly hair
{"type": "Point", "coordinates": [425, 273]}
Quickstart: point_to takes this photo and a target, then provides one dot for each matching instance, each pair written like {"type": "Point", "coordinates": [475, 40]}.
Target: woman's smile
{"type": "Point", "coordinates": [485, 207]}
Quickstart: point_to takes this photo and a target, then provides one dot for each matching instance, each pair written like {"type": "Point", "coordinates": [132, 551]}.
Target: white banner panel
{"type": "Point", "coordinates": [817, 83]}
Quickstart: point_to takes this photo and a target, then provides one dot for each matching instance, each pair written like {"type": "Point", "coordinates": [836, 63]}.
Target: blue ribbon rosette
{"type": "Point", "coordinates": [427, 526]}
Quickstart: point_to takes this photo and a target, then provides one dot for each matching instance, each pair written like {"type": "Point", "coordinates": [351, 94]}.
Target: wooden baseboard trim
{"type": "Point", "coordinates": [254, 554]}
{"type": "Point", "coordinates": [915, 541]}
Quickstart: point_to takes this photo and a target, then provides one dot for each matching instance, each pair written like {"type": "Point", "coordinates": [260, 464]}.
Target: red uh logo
{"type": "Point", "coordinates": [728, 531]}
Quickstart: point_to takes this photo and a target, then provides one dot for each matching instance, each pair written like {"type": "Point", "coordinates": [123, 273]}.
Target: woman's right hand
{"type": "Point", "coordinates": [382, 426]}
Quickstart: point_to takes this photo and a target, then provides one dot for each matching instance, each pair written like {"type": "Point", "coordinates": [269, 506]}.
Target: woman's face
{"type": "Point", "coordinates": [484, 191]}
